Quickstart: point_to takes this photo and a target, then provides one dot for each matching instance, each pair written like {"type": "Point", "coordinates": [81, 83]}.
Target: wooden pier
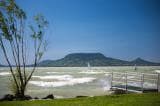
{"type": "Point", "coordinates": [135, 82]}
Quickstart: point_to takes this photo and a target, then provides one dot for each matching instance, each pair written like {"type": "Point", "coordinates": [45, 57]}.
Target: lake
{"type": "Point", "coordinates": [68, 82]}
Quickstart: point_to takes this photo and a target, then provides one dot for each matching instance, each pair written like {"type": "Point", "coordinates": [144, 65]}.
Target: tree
{"type": "Point", "coordinates": [13, 38]}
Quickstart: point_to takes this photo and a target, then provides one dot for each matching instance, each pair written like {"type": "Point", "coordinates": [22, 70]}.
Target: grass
{"type": "Point", "coordinates": [146, 99]}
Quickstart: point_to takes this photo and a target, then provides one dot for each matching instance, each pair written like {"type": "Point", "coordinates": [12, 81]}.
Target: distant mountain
{"type": "Point", "coordinates": [1, 65]}
{"type": "Point", "coordinates": [95, 59]}
{"type": "Point", "coordinates": [142, 62]}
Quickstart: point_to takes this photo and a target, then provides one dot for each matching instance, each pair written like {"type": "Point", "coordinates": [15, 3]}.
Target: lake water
{"type": "Point", "coordinates": [68, 82]}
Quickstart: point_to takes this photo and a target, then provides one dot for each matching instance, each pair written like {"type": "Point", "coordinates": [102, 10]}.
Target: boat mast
{"type": "Point", "coordinates": [135, 67]}
{"type": "Point", "coordinates": [89, 67]}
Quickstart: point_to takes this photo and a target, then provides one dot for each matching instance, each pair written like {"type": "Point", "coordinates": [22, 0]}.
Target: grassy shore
{"type": "Point", "coordinates": [148, 99]}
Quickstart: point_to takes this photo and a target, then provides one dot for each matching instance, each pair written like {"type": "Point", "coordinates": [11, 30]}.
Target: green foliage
{"type": "Point", "coordinates": [12, 32]}
{"type": "Point", "coordinates": [38, 33]}
{"type": "Point", "coordinates": [12, 84]}
{"type": "Point", "coordinates": [4, 28]}
{"type": "Point", "coordinates": [151, 99]}
{"type": "Point", "coordinates": [40, 54]}
{"type": "Point", "coordinates": [41, 23]}
{"type": "Point", "coordinates": [40, 20]}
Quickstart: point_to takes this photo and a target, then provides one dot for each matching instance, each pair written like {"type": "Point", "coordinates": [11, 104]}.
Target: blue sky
{"type": "Point", "coordinates": [124, 29]}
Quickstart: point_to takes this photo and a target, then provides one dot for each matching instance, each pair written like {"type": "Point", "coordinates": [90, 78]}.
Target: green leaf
{"type": "Point", "coordinates": [40, 54]}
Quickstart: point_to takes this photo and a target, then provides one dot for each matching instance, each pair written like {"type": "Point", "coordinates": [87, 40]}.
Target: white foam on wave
{"type": "Point", "coordinates": [108, 74]}
{"type": "Point", "coordinates": [91, 72]}
{"type": "Point", "coordinates": [158, 71]}
{"type": "Point", "coordinates": [72, 81]}
{"type": "Point", "coordinates": [57, 77]}
{"type": "Point", "coordinates": [4, 73]}
{"type": "Point", "coordinates": [51, 72]}
{"type": "Point", "coordinates": [106, 85]}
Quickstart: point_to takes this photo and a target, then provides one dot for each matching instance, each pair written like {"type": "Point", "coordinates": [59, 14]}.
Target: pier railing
{"type": "Point", "coordinates": [135, 82]}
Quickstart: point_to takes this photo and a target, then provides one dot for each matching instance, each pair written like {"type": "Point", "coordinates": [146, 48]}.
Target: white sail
{"type": "Point", "coordinates": [89, 66]}
{"type": "Point", "coordinates": [135, 67]}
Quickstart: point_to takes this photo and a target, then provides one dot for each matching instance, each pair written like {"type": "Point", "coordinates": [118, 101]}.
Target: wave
{"type": "Point", "coordinates": [108, 74]}
{"type": "Point", "coordinates": [51, 72]}
{"type": "Point", "coordinates": [5, 73]}
{"type": "Point", "coordinates": [56, 77]}
{"type": "Point", "coordinates": [72, 81]}
{"type": "Point", "coordinates": [92, 72]}
{"type": "Point", "coordinates": [106, 84]}
{"type": "Point", "coordinates": [158, 71]}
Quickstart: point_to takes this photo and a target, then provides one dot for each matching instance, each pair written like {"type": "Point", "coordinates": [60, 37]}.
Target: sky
{"type": "Point", "coordinates": [123, 29]}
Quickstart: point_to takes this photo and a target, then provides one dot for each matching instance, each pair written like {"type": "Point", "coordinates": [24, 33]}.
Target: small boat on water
{"type": "Point", "coordinates": [135, 67]}
{"type": "Point", "coordinates": [89, 70]}
{"type": "Point", "coordinates": [89, 66]}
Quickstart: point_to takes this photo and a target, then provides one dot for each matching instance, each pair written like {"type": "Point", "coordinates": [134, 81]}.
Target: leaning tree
{"type": "Point", "coordinates": [15, 40]}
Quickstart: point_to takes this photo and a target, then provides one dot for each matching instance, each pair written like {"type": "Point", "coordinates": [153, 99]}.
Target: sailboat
{"type": "Point", "coordinates": [89, 70]}
{"type": "Point", "coordinates": [89, 66]}
{"type": "Point", "coordinates": [135, 67]}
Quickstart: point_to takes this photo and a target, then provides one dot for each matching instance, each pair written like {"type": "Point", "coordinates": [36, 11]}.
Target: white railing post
{"type": "Point", "coordinates": [142, 82]}
{"type": "Point", "coordinates": [158, 82]}
{"type": "Point", "coordinates": [111, 80]}
{"type": "Point", "coordinates": [126, 81]}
